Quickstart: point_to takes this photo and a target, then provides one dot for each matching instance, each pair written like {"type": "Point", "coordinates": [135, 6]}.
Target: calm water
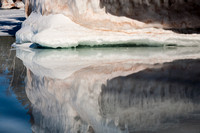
{"type": "Point", "coordinates": [15, 111]}
{"type": "Point", "coordinates": [140, 90]}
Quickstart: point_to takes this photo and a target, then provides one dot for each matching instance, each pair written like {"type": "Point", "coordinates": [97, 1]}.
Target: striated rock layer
{"type": "Point", "coordinates": [110, 22]}
{"type": "Point", "coordinates": [165, 13]}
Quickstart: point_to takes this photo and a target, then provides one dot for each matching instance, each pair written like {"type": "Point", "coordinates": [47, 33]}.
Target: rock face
{"type": "Point", "coordinates": [99, 22]}
{"type": "Point", "coordinates": [11, 4]}
{"type": "Point", "coordinates": [157, 13]}
{"type": "Point", "coordinates": [167, 13]}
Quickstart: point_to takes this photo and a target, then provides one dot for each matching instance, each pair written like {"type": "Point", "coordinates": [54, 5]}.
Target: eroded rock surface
{"type": "Point", "coordinates": [157, 13]}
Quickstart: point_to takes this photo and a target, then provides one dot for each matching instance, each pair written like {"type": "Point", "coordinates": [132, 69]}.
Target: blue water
{"type": "Point", "coordinates": [14, 117]}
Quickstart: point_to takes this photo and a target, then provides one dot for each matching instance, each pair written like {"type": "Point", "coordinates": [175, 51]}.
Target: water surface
{"type": "Point", "coordinates": [129, 89]}
{"type": "Point", "coordinates": [14, 104]}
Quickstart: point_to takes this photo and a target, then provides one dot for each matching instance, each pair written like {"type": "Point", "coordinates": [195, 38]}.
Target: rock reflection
{"type": "Point", "coordinates": [77, 91]}
{"type": "Point", "coordinates": [153, 98]}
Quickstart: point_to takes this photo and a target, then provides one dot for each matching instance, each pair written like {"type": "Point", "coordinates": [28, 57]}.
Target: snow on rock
{"type": "Point", "coordinates": [69, 23]}
{"type": "Point", "coordinates": [60, 31]}
{"type": "Point", "coordinates": [19, 4]}
{"type": "Point", "coordinates": [7, 4]}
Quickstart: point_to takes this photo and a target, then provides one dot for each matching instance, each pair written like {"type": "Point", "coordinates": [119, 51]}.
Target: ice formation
{"type": "Point", "coordinates": [69, 23]}
{"type": "Point", "coordinates": [113, 95]}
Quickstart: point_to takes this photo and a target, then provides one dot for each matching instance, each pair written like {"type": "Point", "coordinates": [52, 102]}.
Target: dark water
{"type": "Point", "coordinates": [37, 96]}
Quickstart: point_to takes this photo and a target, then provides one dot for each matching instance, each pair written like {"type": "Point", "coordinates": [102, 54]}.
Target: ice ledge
{"type": "Point", "coordinates": [60, 31]}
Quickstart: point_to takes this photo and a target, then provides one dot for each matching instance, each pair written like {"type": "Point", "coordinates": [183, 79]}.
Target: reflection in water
{"type": "Point", "coordinates": [15, 108]}
{"type": "Point", "coordinates": [99, 90]}
{"type": "Point", "coordinates": [153, 98]}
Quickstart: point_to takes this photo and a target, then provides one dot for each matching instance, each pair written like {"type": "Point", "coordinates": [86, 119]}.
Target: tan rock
{"type": "Point", "coordinates": [7, 4]}
{"type": "Point", "coordinates": [178, 14]}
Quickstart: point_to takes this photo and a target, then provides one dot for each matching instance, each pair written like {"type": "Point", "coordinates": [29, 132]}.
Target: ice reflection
{"type": "Point", "coordinates": [99, 90]}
